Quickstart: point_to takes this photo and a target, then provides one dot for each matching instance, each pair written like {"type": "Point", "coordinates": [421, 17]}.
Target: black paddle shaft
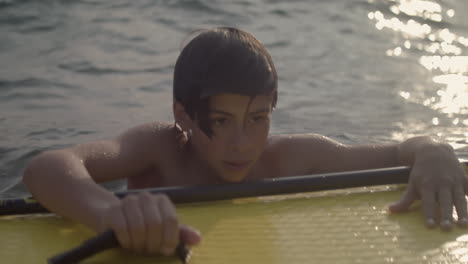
{"type": "Point", "coordinates": [309, 183]}
{"type": "Point", "coordinates": [103, 241]}
{"type": "Point", "coordinates": [99, 243]}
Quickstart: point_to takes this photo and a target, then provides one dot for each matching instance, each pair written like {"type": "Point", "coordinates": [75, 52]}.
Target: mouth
{"type": "Point", "coordinates": [237, 165]}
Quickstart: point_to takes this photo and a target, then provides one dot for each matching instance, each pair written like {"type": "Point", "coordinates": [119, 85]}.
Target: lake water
{"type": "Point", "coordinates": [356, 70]}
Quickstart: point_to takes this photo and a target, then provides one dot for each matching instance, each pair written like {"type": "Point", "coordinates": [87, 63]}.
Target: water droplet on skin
{"type": "Point", "coordinates": [407, 44]}
{"type": "Point", "coordinates": [397, 51]}
{"type": "Point", "coordinates": [450, 12]}
{"type": "Point", "coordinates": [462, 238]}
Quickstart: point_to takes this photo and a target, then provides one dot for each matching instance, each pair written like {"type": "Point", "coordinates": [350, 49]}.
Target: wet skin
{"type": "Point", "coordinates": [240, 149]}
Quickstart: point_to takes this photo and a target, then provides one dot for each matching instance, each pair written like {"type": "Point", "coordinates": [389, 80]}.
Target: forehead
{"type": "Point", "coordinates": [235, 102]}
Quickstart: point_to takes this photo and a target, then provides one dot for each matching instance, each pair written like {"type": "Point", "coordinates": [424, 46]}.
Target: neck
{"type": "Point", "coordinates": [202, 173]}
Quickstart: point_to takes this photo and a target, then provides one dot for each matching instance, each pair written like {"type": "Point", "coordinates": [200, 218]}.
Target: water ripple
{"type": "Point", "coordinates": [5, 3]}
{"type": "Point", "coordinates": [32, 82]}
{"type": "Point", "coordinates": [111, 20]}
{"type": "Point", "coordinates": [17, 19]}
{"type": "Point", "coordinates": [57, 133]}
{"type": "Point", "coordinates": [157, 87]}
{"type": "Point", "coordinates": [89, 68]}
{"type": "Point", "coordinates": [280, 12]}
{"type": "Point", "coordinates": [202, 6]}
{"type": "Point", "coordinates": [18, 95]}
{"type": "Point", "coordinates": [38, 28]}
{"type": "Point", "coordinates": [13, 167]}
{"type": "Point", "coordinates": [42, 18]}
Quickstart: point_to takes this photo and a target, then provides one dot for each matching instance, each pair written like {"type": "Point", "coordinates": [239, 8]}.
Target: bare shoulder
{"type": "Point", "coordinates": [154, 132]}
{"type": "Point", "coordinates": [287, 144]}
{"type": "Point", "coordinates": [140, 138]}
{"type": "Point", "coordinates": [290, 140]}
{"type": "Point", "coordinates": [299, 154]}
{"type": "Point", "coordinates": [153, 140]}
{"type": "Point", "coordinates": [130, 153]}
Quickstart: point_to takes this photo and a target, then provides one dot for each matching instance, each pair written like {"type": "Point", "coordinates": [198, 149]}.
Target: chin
{"type": "Point", "coordinates": [233, 178]}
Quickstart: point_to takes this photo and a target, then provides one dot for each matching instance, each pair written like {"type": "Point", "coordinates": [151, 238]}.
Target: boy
{"type": "Point", "coordinates": [225, 89]}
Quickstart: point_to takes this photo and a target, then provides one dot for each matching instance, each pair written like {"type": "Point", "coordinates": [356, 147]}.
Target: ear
{"type": "Point", "coordinates": [181, 117]}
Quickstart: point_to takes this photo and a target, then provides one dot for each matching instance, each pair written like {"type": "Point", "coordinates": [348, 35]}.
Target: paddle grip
{"type": "Point", "coordinates": [101, 242]}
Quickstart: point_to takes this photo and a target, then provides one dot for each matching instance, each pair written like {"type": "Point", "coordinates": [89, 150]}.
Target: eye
{"type": "Point", "coordinates": [258, 119]}
{"type": "Point", "coordinates": [218, 122]}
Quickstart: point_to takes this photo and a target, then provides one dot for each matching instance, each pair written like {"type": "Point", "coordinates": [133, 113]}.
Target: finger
{"type": "Point", "coordinates": [429, 205]}
{"type": "Point", "coordinates": [446, 208]}
{"type": "Point", "coordinates": [120, 228]}
{"type": "Point", "coordinates": [135, 221]}
{"type": "Point", "coordinates": [405, 202]}
{"type": "Point", "coordinates": [170, 226]}
{"type": "Point", "coordinates": [153, 223]}
{"type": "Point", "coordinates": [459, 200]}
{"type": "Point", "coordinates": [189, 235]}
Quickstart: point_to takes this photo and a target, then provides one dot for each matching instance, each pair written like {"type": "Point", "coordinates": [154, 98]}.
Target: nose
{"type": "Point", "coordinates": [240, 140]}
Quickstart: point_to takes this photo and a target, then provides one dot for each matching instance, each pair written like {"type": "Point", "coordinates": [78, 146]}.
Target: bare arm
{"type": "Point", "coordinates": [436, 176]}
{"type": "Point", "coordinates": [65, 180]}
{"type": "Point", "coordinates": [311, 153]}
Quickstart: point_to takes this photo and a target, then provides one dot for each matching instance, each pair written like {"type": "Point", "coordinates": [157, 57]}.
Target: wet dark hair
{"type": "Point", "coordinates": [221, 60]}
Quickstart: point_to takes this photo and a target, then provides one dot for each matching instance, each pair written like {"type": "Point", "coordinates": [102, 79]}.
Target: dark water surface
{"type": "Point", "coordinates": [356, 70]}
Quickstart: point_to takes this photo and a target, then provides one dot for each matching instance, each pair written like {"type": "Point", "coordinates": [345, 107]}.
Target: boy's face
{"type": "Point", "coordinates": [240, 127]}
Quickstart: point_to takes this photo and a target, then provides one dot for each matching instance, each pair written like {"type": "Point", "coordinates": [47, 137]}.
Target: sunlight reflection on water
{"type": "Point", "coordinates": [419, 24]}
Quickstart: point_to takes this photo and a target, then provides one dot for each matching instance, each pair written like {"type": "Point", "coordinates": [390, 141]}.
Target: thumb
{"type": "Point", "coordinates": [189, 235]}
{"type": "Point", "coordinates": [405, 201]}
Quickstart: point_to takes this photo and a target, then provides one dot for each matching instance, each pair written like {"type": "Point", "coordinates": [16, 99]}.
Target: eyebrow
{"type": "Point", "coordinates": [262, 110]}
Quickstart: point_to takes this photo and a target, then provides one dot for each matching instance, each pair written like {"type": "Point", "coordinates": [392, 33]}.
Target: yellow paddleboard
{"type": "Point", "coordinates": [346, 226]}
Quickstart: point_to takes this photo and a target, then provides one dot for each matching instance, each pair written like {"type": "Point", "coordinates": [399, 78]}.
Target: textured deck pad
{"type": "Point", "coordinates": [350, 226]}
